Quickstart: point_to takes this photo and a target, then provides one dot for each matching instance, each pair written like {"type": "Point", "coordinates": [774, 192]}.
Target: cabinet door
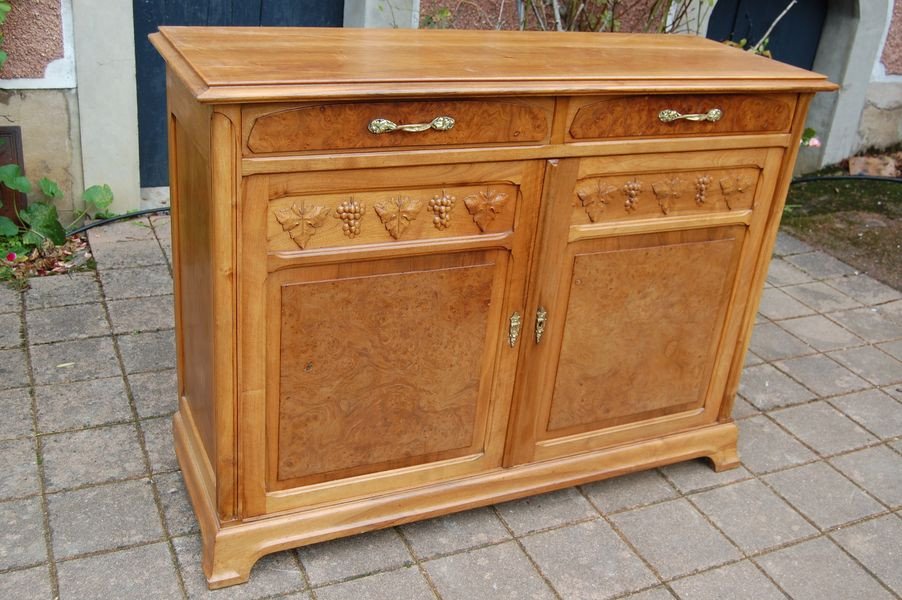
{"type": "Point", "coordinates": [641, 286]}
{"type": "Point", "coordinates": [377, 351]}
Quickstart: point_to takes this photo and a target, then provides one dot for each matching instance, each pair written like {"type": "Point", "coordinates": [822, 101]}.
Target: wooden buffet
{"type": "Point", "coordinates": [418, 272]}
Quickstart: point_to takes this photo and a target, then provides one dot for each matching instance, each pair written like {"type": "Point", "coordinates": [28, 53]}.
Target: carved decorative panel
{"type": "Point", "coordinates": [734, 188]}
{"type": "Point", "coordinates": [594, 197]}
{"type": "Point", "coordinates": [441, 206]}
{"type": "Point", "coordinates": [485, 206]}
{"type": "Point", "coordinates": [701, 188]}
{"type": "Point", "coordinates": [397, 213]}
{"type": "Point", "coordinates": [668, 192]}
{"type": "Point", "coordinates": [301, 222]}
{"type": "Point", "coordinates": [350, 212]}
{"type": "Point", "coordinates": [632, 189]}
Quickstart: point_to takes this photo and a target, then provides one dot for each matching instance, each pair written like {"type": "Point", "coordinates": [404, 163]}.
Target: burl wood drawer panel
{"type": "Point", "coordinates": [641, 115]}
{"type": "Point", "coordinates": [347, 126]}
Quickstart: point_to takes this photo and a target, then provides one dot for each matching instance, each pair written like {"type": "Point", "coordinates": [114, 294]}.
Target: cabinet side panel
{"type": "Point", "coordinates": [192, 261]}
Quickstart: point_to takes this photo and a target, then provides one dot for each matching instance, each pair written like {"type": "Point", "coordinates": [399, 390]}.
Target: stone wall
{"type": "Point", "coordinates": [881, 117]}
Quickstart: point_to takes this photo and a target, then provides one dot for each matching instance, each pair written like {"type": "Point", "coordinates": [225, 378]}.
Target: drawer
{"type": "Point", "coordinates": [663, 186]}
{"type": "Point", "coordinates": [296, 128]}
{"type": "Point", "coordinates": [641, 115]}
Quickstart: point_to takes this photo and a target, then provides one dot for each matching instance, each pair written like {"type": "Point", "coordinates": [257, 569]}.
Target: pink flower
{"type": "Point", "coordinates": [11, 257]}
{"type": "Point", "coordinates": [814, 143]}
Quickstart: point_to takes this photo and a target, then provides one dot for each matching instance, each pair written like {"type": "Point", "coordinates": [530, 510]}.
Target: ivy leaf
{"type": "Point", "coordinates": [11, 176]}
{"type": "Point", "coordinates": [101, 196]}
{"type": "Point", "coordinates": [7, 227]}
{"type": "Point", "coordinates": [43, 223]}
{"type": "Point", "coordinates": [50, 189]}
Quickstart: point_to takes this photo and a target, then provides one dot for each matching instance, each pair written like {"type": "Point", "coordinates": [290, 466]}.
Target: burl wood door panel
{"type": "Point", "coordinates": [384, 370]}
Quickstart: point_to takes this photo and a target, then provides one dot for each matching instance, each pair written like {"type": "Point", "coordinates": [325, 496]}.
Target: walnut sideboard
{"type": "Point", "coordinates": [418, 272]}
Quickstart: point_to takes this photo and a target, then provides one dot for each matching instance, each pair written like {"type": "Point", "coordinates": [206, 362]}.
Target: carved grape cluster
{"type": "Point", "coordinates": [350, 212]}
{"type": "Point", "coordinates": [701, 188]}
{"type": "Point", "coordinates": [441, 207]}
{"type": "Point", "coordinates": [632, 189]}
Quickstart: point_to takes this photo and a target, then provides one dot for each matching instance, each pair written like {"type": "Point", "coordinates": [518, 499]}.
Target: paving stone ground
{"type": "Point", "coordinates": [92, 504]}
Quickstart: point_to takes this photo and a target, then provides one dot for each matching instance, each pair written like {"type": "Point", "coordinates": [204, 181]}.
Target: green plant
{"type": "Point", "coordinates": [440, 19]}
{"type": "Point", "coordinates": [5, 7]}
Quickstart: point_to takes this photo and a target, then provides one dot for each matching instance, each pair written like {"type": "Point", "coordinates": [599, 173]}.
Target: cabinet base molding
{"type": "Point", "coordinates": [230, 550]}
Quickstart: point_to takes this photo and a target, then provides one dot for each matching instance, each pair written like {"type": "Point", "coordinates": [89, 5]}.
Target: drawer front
{"type": "Point", "coordinates": [640, 116]}
{"type": "Point", "coordinates": [407, 206]}
{"type": "Point", "coordinates": [390, 125]}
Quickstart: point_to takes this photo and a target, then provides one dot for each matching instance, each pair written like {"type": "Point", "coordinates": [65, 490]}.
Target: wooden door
{"type": "Point", "coordinates": [376, 352]}
{"type": "Point", "coordinates": [641, 286]}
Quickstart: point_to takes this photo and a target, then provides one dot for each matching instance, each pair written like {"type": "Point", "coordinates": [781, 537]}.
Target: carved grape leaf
{"type": "Point", "coordinates": [485, 206]}
{"type": "Point", "coordinates": [301, 222]}
{"type": "Point", "coordinates": [735, 186]}
{"type": "Point", "coordinates": [667, 192]}
{"type": "Point", "coordinates": [595, 196]}
{"type": "Point", "coordinates": [397, 213]}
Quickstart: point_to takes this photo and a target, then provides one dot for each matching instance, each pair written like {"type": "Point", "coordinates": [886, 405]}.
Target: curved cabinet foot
{"type": "Point", "coordinates": [222, 571]}
{"type": "Point", "coordinates": [725, 459]}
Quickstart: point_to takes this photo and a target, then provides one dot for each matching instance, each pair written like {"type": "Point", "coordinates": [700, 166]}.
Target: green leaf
{"type": "Point", "coordinates": [43, 222]}
{"type": "Point", "coordinates": [5, 7]}
{"type": "Point", "coordinates": [11, 176]}
{"type": "Point", "coordinates": [101, 196]}
{"type": "Point", "coordinates": [7, 227]}
{"type": "Point", "coordinates": [50, 189]}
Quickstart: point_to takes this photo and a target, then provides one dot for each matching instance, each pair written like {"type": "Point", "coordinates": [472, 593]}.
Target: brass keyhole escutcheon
{"type": "Point", "coordinates": [513, 334]}
{"type": "Point", "coordinates": [541, 321]}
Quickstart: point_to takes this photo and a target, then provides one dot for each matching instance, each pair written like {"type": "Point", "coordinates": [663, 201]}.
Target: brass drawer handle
{"type": "Point", "coordinates": [516, 321]}
{"type": "Point", "coordinates": [669, 115]}
{"type": "Point", "coordinates": [541, 321]}
{"type": "Point", "coordinates": [442, 123]}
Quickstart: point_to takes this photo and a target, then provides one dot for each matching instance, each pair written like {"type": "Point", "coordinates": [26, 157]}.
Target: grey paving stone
{"type": "Point", "coordinates": [119, 255]}
{"type": "Point", "coordinates": [739, 581]}
{"type": "Point", "coordinates": [81, 404]}
{"type": "Point", "coordinates": [819, 570]}
{"type": "Point", "coordinates": [693, 475]}
{"type": "Point", "coordinates": [821, 333]}
{"type": "Point", "coordinates": [91, 456]}
{"type": "Point", "coordinates": [821, 297]}
{"type": "Point", "coordinates": [162, 226]}
{"type": "Point", "coordinates": [350, 557]}
{"type": "Point", "coordinates": [782, 273]}
{"type": "Point", "coordinates": [871, 363]}
{"type": "Point", "coordinates": [22, 534]}
{"type": "Point", "coordinates": [154, 280]}
{"type": "Point", "coordinates": [546, 510]}
{"type": "Point", "coordinates": [777, 304]}
{"type": "Point", "coordinates": [865, 289]}
{"type": "Point", "coordinates": [121, 231]}
{"type": "Point", "coordinates": [660, 533]}
{"type": "Point", "coordinates": [752, 359]}
{"type": "Point", "coordinates": [770, 342]}
{"type": "Point", "coordinates": [876, 544]}
{"type": "Point", "coordinates": [273, 575]}
{"type": "Point", "coordinates": [874, 409]}
{"type": "Point", "coordinates": [823, 376]}
{"type": "Point", "coordinates": [66, 323]}
{"type": "Point", "coordinates": [144, 572]}
{"type": "Point", "coordinates": [10, 331]}
{"type": "Point", "coordinates": [766, 388]}
{"type": "Point", "coordinates": [177, 511]}
{"type": "Point", "coordinates": [588, 561]}
{"type": "Point", "coordinates": [62, 290]}
{"type": "Point", "coordinates": [823, 428]}
{"type": "Point", "coordinates": [65, 362]}
{"type": "Point", "coordinates": [13, 369]}
{"type": "Point", "coordinates": [820, 265]}
{"type": "Point", "coordinates": [893, 390]}
{"type": "Point", "coordinates": [19, 475]}
{"type": "Point", "coordinates": [15, 406]}
{"type": "Point", "coordinates": [870, 323]}
{"type": "Point", "coordinates": [742, 408]}
{"type": "Point", "coordinates": [141, 314]}
{"type": "Point", "coordinates": [893, 310]}
{"type": "Point", "coordinates": [823, 495]}
{"type": "Point", "coordinates": [31, 583]}
{"type": "Point", "coordinates": [155, 394]}
{"type": "Point", "coordinates": [159, 443]}
{"type": "Point", "coordinates": [103, 518]}
{"type": "Point", "coordinates": [452, 533]}
{"type": "Point", "coordinates": [787, 245]}
{"type": "Point", "coordinates": [499, 572]}
{"type": "Point", "coordinates": [878, 470]}
{"type": "Point", "coordinates": [629, 491]}
{"type": "Point", "coordinates": [658, 593]}
{"type": "Point", "coordinates": [894, 349]}
{"type": "Point", "coordinates": [406, 583]}
{"type": "Point", "coordinates": [142, 352]}
{"type": "Point", "coordinates": [10, 299]}
{"type": "Point", "coordinates": [752, 516]}
{"type": "Point", "coordinates": [764, 447]}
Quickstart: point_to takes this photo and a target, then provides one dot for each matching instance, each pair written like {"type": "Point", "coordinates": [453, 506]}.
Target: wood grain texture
{"type": "Point", "coordinates": [344, 126]}
{"type": "Point", "coordinates": [390, 379]}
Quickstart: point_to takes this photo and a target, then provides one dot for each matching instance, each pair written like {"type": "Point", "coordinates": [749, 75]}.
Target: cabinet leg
{"type": "Point", "coordinates": [725, 459]}
{"type": "Point", "coordinates": [223, 569]}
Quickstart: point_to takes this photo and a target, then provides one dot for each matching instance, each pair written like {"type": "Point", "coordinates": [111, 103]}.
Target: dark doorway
{"type": "Point", "coordinates": [151, 73]}
{"type": "Point", "coordinates": [795, 38]}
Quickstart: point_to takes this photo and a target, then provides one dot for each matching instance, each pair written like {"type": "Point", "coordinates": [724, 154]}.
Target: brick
{"type": "Point", "coordinates": [62, 290]}
{"type": "Point", "coordinates": [821, 333]}
{"type": "Point", "coordinates": [82, 404]}
{"type": "Point", "coordinates": [406, 583]}
{"type": "Point", "coordinates": [693, 475]}
{"type": "Point", "coordinates": [144, 572]}
{"type": "Point", "coordinates": [764, 447]}
{"type": "Point", "coordinates": [499, 572]}
{"type": "Point", "coordinates": [821, 297]}
{"type": "Point", "coordinates": [777, 304]}
{"type": "Point", "coordinates": [871, 363]}
{"type": "Point", "coordinates": [98, 455]}
{"type": "Point", "coordinates": [66, 323]}
{"type": "Point", "coordinates": [629, 491]}
{"type": "Point", "coordinates": [19, 475]}
{"type": "Point", "coordinates": [878, 470]}
{"type": "Point", "coordinates": [739, 580]}
{"type": "Point", "coordinates": [767, 388]}
{"type": "Point", "coordinates": [874, 409]}
{"type": "Point", "coordinates": [15, 406]}
{"type": "Point", "coordinates": [453, 533]}
{"type": "Point", "coordinates": [820, 265]}
{"type": "Point", "coordinates": [354, 556]}
{"type": "Point", "coordinates": [141, 314]}
{"type": "Point", "coordinates": [22, 534]}
{"type": "Point", "coordinates": [153, 280]}
{"type": "Point", "coordinates": [143, 352]}
{"type": "Point", "coordinates": [770, 342]}
{"type": "Point", "coordinates": [876, 544]}
{"type": "Point", "coordinates": [870, 323]}
{"type": "Point", "coordinates": [65, 362]}
{"type": "Point", "coordinates": [546, 510]}
{"type": "Point", "coordinates": [823, 428]}
{"type": "Point", "coordinates": [13, 369]}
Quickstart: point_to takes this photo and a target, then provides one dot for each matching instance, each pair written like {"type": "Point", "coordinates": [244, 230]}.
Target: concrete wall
{"type": "Point", "coordinates": [382, 13]}
{"type": "Point", "coordinates": [881, 118]}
